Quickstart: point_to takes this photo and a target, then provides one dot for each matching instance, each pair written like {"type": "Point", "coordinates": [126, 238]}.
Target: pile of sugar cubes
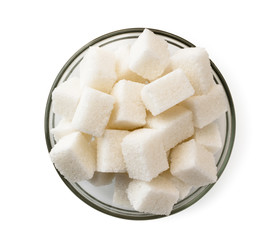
{"type": "Point", "coordinates": [142, 117]}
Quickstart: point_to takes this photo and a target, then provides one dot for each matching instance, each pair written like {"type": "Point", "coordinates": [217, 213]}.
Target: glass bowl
{"type": "Point", "coordinates": [100, 198]}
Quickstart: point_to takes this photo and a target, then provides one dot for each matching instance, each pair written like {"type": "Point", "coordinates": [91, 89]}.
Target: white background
{"type": "Point", "coordinates": [38, 37]}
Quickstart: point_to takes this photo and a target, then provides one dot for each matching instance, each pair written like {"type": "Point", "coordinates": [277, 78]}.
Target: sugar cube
{"type": "Point", "coordinates": [155, 197]}
{"type": "Point", "coordinates": [65, 98]}
{"type": "Point", "coordinates": [209, 137]}
{"type": "Point", "coordinates": [93, 112]}
{"type": "Point", "coordinates": [166, 92]}
{"type": "Point", "coordinates": [120, 196]}
{"type": "Point", "coordinates": [149, 55]}
{"type": "Point", "coordinates": [183, 188]}
{"type": "Point", "coordinates": [74, 157]}
{"type": "Point", "coordinates": [207, 108]}
{"type": "Point", "coordinates": [109, 152]}
{"type": "Point", "coordinates": [129, 111]}
{"type": "Point", "coordinates": [193, 164]}
{"type": "Point", "coordinates": [101, 179]}
{"type": "Point", "coordinates": [63, 128]}
{"type": "Point", "coordinates": [175, 125]}
{"type": "Point", "coordinates": [196, 64]}
{"type": "Point", "coordinates": [144, 154]}
{"type": "Point", "coordinates": [122, 62]}
{"type": "Point", "coordinates": [97, 69]}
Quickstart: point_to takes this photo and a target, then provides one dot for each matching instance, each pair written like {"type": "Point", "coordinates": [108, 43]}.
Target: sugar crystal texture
{"type": "Point", "coordinates": [93, 112]}
{"type": "Point", "coordinates": [174, 125]}
{"type": "Point", "coordinates": [63, 128]}
{"type": "Point", "coordinates": [109, 152]}
{"type": "Point", "coordinates": [122, 62]}
{"type": "Point", "coordinates": [74, 157]}
{"type": "Point", "coordinates": [193, 164]}
{"type": "Point", "coordinates": [144, 154]}
{"type": "Point", "coordinates": [166, 92]}
{"type": "Point", "coordinates": [196, 64]}
{"type": "Point", "coordinates": [155, 197]}
{"type": "Point", "coordinates": [120, 196]}
{"type": "Point", "coordinates": [183, 188]}
{"type": "Point", "coordinates": [129, 111]}
{"type": "Point", "coordinates": [97, 69]}
{"type": "Point", "coordinates": [149, 55]}
{"type": "Point", "coordinates": [65, 98]}
{"type": "Point", "coordinates": [207, 108]}
{"type": "Point", "coordinates": [209, 137]}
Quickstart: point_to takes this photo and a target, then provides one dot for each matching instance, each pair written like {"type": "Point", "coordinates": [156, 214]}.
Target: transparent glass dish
{"type": "Point", "coordinates": [100, 198]}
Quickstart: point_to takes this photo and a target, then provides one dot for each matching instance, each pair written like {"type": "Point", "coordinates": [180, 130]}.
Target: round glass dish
{"type": "Point", "coordinates": [100, 198]}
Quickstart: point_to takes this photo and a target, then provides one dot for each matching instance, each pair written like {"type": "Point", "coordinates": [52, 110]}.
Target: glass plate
{"type": "Point", "coordinates": [100, 198]}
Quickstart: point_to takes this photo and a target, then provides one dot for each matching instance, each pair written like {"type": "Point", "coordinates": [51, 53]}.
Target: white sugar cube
{"type": "Point", "coordinates": [175, 125]}
{"type": "Point", "coordinates": [74, 157]}
{"type": "Point", "coordinates": [193, 164]}
{"type": "Point", "coordinates": [209, 137]}
{"type": "Point", "coordinates": [93, 112]}
{"type": "Point", "coordinates": [155, 197]}
{"type": "Point", "coordinates": [65, 98]}
{"type": "Point", "coordinates": [109, 152]}
{"type": "Point", "coordinates": [207, 108]}
{"type": "Point", "coordinates": [144, 154]}
{"type": "Point", "coordinates": [129, 111]}
{"type": "Point", "coordinates": [166, 92]}
{"type": "Point", "coordinates": [149, 55]}
{"type": "Point", "coordinates": [196, 65]}
{"type": "Point", "coordinates": [101, 179]}
{"type": "Point", "coordinates": [183, 188]}
{"type": "Point", "coordinates": [122, 62]}
{"type": "Point", "coordinates": [63, 128]}
{"type": "Point", "coordinates": [120, 196]}
{"type": "Point", "coordinates": [97, 69]}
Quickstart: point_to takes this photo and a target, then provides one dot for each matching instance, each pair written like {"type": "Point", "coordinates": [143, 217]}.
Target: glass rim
{"type": "Point", "coordinates": [166, 34]}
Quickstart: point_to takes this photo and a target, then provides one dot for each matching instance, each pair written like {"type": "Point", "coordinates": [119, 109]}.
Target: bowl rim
{"type": "Point", "coordinates": [139, 30]}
